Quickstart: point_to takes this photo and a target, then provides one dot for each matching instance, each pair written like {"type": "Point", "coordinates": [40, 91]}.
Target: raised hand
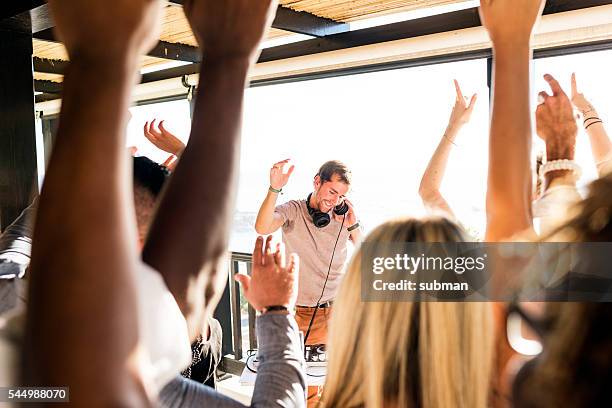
{"type": "Point", "coordinates": [214, 25]}
{"type": "Point", "coordinates": [97, 29]}
{"type": "Point", "coordinates": [351, 215]}
{"type": "Point", "coordinates": [462, 111]}
{"type": "Point", "coordinates": [555, 122]}
{"type": "Point", "coordinates": [510, 26]}
{"type": "Point", "coordinates": [273, 281]}
{"type": "Point", "coordinates": [510, 22]}
{"type": "Point", "coordinates": [105, 41]}
{"type": "Point", "coordinates": [578, 99]}
{"type": "Point", "coordinates": [163, 139]}
{"type": "Point", "coordinates": [278, 176]}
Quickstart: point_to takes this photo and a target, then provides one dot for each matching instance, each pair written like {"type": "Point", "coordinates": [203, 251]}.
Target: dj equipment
{"type": "Point", "coordinates": [315, 355]}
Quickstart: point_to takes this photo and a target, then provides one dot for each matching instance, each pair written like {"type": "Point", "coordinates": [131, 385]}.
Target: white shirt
{"type": "Point", "coordinates": [162, 328]}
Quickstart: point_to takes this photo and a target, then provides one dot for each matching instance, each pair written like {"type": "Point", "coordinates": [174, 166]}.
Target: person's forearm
{"type": "Point", "coordinates": [601, 147]}
{"type": "Point", "coordinates": [429, 189]}
{"type": "Point", "coordinates": [85, 243]}
{"type": "Point", "coordinates": [559, 150]}
{"type": "Point", "coordinates": [23, 226]}
{"type": "Point", "coordinates": [280, 375]}
{"type": "Point", "coordinates": [265, 216]}
{"type": "Point", "coordinates": [281, 380]}
{"type": "Point", "coordinates": [509, 176]}
{"type": "Point", "coordinates": [16, 243]}
{"type": "Point", "coordinates": [190, 233]}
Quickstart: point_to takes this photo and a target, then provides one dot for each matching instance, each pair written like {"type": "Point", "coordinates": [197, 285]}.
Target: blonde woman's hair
{"type": "Point", "coordinates": [402, 354]}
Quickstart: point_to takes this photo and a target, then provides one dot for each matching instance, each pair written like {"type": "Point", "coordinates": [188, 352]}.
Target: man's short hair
{"type": "Point", "coordinates": [328, 169]}
{"type": "Point", "coordinates": [149, 175]}
{"type": "Point", "coordinates": [149, 179]}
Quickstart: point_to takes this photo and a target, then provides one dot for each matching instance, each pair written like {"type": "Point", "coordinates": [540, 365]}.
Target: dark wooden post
{"type": "Point", "coordinates": [18, 174]}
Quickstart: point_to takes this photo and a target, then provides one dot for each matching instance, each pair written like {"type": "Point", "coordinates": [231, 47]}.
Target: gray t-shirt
{"type": "Point", "coordinates": [314, 247]}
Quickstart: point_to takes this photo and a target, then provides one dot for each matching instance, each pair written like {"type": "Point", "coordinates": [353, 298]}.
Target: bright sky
{"type": "Point", "coordinates": [385, 126]}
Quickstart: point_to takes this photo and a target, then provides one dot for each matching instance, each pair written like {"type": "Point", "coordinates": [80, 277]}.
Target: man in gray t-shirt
{"type": "Point", "coordinates": [310, 227]}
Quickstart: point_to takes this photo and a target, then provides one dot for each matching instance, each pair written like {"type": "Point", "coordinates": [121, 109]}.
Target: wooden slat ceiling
{"type": "Point", "coordinates": [48, 77]}
{"type": "Point", "coordinates": [48, 50]}
{"type": "Point", "coordinates": [351, 10]}
{"type": "Point", "coordinates": [176, 29]}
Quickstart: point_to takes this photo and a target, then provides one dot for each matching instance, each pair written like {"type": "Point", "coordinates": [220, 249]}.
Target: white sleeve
{"type": "Point", "coordinates": [551, 210]}
{"type": "Point", "coordinates": [163, 329]}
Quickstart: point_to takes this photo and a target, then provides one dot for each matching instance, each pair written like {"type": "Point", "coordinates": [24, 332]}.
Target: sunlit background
{"type": "Point", "coordinates": [385, 126]}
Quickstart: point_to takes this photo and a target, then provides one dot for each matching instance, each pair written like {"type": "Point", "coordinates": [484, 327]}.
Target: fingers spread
{"type": "Point", "coordinates": [290, 171]}
{"type": "Point", "coordinates": [168, 161]}
{"type": "Point", "coordinates": [161, 127]}
{"type": "Point", "coordinates": [574, 85]}
{"type": "Point", "coordinates": [257, 255]}
{"type": "Point", "coordinates": [473, 101]}
{"type": "Point", "coordinates": [543, 97]}
{"type": "Point", "coordinates": [280, 163]}
{"type": "Point", "coordinates": [279, 255]}
{"type": "Point", "coordinates": [458, 90]}
{"type": "Point", "coordinates": [268, 256]}
{"type": "Point", "coordinates": [245, 281]}
{"type": "Point", "coordinates": [294, 264]}
{"type": "Point", "coordinates": [554, 85]}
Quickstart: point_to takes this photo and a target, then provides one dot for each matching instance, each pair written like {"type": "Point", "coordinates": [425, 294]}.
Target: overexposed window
{"type": "Point", "coordinates": [177, 120]}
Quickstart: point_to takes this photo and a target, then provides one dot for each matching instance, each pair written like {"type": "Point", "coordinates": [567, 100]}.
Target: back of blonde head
{"type": "Point", "coordinates": [401, 354]}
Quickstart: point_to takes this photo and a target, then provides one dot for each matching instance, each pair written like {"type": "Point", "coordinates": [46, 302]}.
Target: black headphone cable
{"type": "Point", "coordinates": [324, 285]}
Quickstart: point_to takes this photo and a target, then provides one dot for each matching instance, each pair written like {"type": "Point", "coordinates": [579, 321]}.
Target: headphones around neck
{"type": "Point", "coordinates": [321, 219]}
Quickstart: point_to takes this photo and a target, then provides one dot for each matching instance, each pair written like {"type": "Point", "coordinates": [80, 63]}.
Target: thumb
{"type": "Point", "coordinates": [245, 282]}
{"type": "Point", "coordinates": [290, 170]}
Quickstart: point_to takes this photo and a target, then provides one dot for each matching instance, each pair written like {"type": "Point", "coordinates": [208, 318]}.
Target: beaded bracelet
{"type": "Point", "coordinates": [557, 165]}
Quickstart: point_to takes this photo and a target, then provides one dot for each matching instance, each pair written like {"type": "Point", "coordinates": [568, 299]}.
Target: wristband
{"type": "Point", "coordinates": [274, 308]}
{"type": "Point", "coordinates": [593, 123]}
{"type": "Point", "coordinates": [353, 227]}
{"type": "Point", "coordinates": [450, 140]}
{"type": "Point", "coordinates": [591, 118]}
{"type": "Point", "coordinates": [272, 189]}
{"type": "Point", "coordinates": [563, 164]}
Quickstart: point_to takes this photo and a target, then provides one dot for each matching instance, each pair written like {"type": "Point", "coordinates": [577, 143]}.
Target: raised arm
{"type": "Point", "coordinates": [429, 190]}
{"type": "Point", "coordinates": [510, 24]}
{"type": "Point", "coordinates": [601, 147]}
{"type": "Point", "coordinates": [267, 220]}
{"type": "Point", "coordinates": [82, 325]}
{"type": "Point", "coordinates": [188, 239]}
